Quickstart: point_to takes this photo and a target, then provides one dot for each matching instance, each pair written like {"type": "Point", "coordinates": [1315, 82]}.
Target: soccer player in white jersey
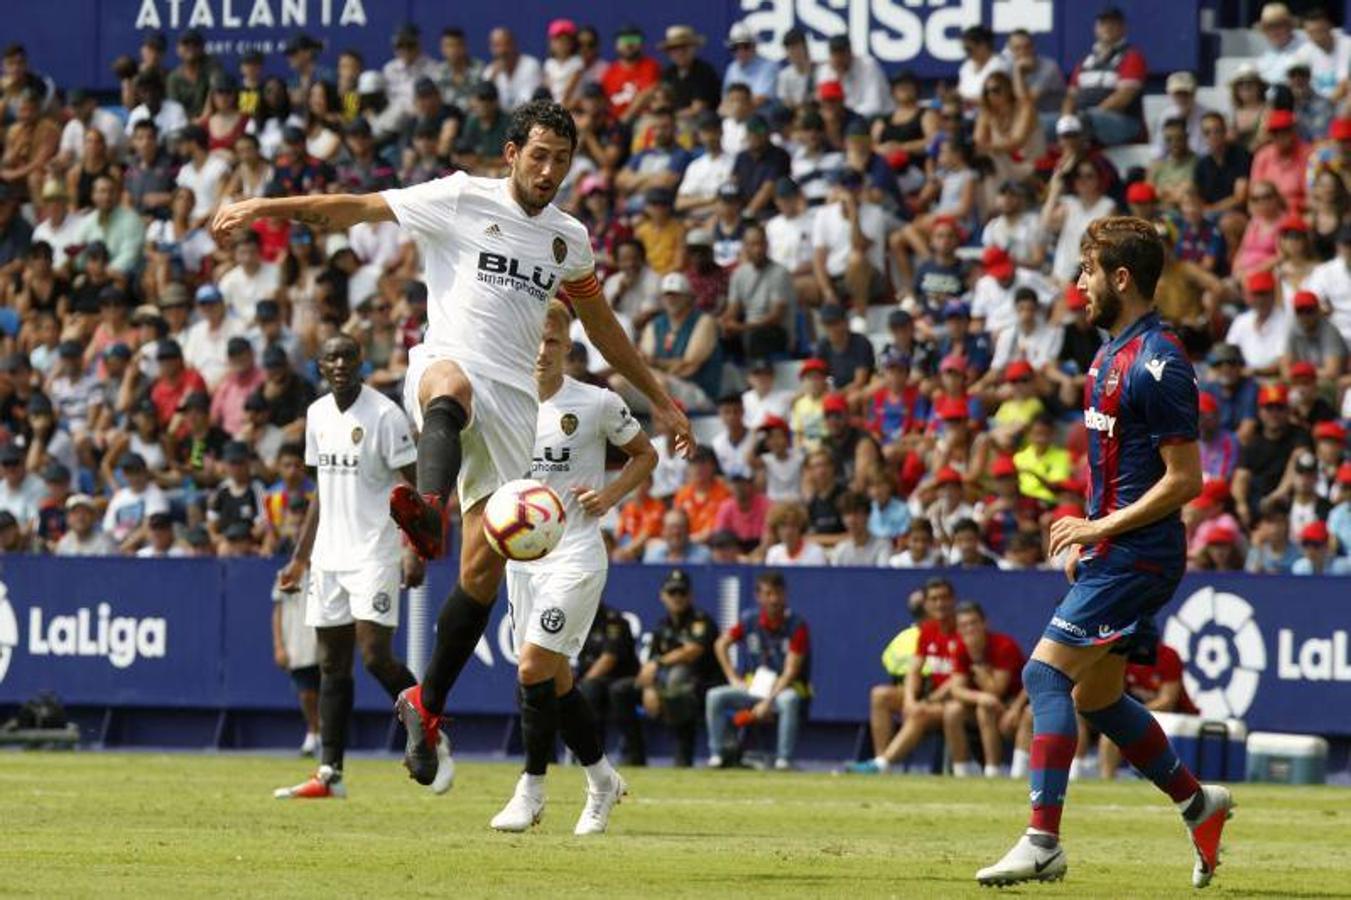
{"type": "Point", "coordinates": [554, 599]}
{"type": "Point", "coordinates": [495, 252]}
{"type": "Point", "coordinates": [360, 445]}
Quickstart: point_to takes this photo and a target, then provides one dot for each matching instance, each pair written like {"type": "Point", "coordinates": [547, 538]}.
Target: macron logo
{"type": "Point", "coordinates": [1098, 421]}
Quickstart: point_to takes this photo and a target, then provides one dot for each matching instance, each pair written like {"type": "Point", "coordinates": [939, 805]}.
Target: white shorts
{"type": "Point", "coordinates": [496, 445]}
{"type": "Point", "coordinates": [340, 598]}
{"type": "Point", "coordinates": [553, 610]}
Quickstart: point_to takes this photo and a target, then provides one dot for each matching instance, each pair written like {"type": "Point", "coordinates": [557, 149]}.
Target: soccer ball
{"type": "Point", "coordinates": [524, 520]}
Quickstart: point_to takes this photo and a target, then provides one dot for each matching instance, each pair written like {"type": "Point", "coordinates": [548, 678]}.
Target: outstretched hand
{"type": "Point", "coordinates": [230, 219]}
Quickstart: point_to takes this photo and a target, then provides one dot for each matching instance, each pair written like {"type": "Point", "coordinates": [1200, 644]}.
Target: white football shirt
{"type": "Point", "coordinates": [357, 453]}
{"type": "Point", "coordinates": [574, 426]}
{"type": "Point", "coordinates": [490, 270]}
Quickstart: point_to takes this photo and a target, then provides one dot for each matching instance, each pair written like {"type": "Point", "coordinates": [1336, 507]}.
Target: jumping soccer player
{"type": "Point", "coordinates": [554, 600]}
{"type": "Point", "coordinates": [1125, 560]}
{"type": "Point", "coordinates": [358, 441]}
{"type": "Point", "coordinates": [496, 251]}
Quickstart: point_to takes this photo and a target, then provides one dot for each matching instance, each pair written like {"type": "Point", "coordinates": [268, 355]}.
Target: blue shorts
{"type": "Point", "coordinates": [1113, 601]}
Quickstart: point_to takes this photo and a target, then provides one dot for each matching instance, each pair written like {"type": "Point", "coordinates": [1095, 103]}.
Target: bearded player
{"type": "Point", "coordinates": [1125, 560]}
{"type": "Point", "coordinates": [554, 600]}
{"type": "Point", "coordinates": [495, 252]}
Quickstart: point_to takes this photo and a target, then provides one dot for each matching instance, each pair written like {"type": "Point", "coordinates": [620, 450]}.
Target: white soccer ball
{"type": "Point", "coordinates": [524, 520]}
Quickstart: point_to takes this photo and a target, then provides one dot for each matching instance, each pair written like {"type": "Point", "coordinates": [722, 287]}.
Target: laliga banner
{"type": "Point", "coordinates": [921, 35]}
{"type": "Point", "coordinates": [1272, 651]}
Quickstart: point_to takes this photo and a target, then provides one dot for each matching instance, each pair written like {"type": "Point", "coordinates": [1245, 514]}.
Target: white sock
{"type": "Point", "coordinates": [1021, 762]}
{"type": "Point", "coordinates": [881, 763]}
{"type": "Point", "coordinates": [964, 769]}
{"type": "Point", "coordinates": [533, 784]}
{"type": "Point", "coordinates": [992, 771]}
{"type": "Point", "coordinates": [600, 774]}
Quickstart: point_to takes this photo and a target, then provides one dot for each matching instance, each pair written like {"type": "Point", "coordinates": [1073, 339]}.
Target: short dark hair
{"type": "Point", "coordinates": [740, 86]}
{"type": "Point", "coordinates": [772, 578]}
{"type": "Point", "coordinates": [978, 34]}
{"type": "Point", "coordinates": [637, 246]}
{"type": "Point", "coordinates": [1130, 243]}
{"type": "Point", "coordinates": [452, 31]}
{"type": "Point", "coordinates": [545, 114]}
{"type": "Point", "coordinates": [1025, 293]}
{"type": "Point", "coordinates": [1023, 540]}
{"type": "Point", "coordinates": [147, 124]}
{"type": "Point", "coordinates": [852, 502]}
{"type": "Point", "coordinates": [937, 581]}
{"type": "Point", "coordinates": [965, 524]}
{"type": "Point", "coordinates": [292, 448]}
{"type": "Point", "coordinates": [922, 525]}
{"type": "Point", "coordinates": [1217, 116]}
{"type": "Point", "coordinates": [971, 606]}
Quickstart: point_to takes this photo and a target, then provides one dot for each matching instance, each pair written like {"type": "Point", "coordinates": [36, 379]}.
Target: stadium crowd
{"type": "Point", "coordinates": [867, 280]}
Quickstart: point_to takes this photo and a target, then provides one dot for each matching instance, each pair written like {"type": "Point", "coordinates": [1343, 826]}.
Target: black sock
{"type": "Point", "coordinates": [539, 724]}
{"type": "Point", "coordinates": [393, 676]}
{"type": "Point", "coordinates": [438, 452]}
{"type": "Point", "coordinates": [1195, 807]}
{"type": "Point", "coordinates": [460, 624]}
{"type": "Point", "coordinates": [577, 723]}
{"type": "Point", "coordinates": [335, 709]}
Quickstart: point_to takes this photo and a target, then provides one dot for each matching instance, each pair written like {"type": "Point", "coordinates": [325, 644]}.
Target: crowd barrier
{"type": "Point", "coordinates": [923, 37]}
{"type": "Point", "coordinates": [195, 634]}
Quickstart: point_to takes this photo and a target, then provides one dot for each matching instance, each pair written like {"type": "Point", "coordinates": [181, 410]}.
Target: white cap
{"type": "Point", "coordinates": [75, 500]}
{"type": "Point", "coordinates": [1184, 82]}
{"type": "Point", "coordinates": [675, 283]}
{"type": "Point", "coordinates": [740, 33]}
{"type": "Point", "coordinates": [370, 82]}
{"type": "Point", "coordinates": [1068, 125]}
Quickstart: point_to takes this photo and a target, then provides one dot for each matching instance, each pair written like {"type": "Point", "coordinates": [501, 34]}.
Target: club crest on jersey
{"type": "Point", "coordinates": [568, 423]}
{"type": "Point", "coordinates": [560, 249]}
{"type": "Point", "coordinates": [357, 434]}
{"type": "Point", "coordinates": [1113, 381]}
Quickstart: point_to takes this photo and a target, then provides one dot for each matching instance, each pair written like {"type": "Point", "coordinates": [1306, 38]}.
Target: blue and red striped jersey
{"type": "Point", "coordinates": [1140, 394]}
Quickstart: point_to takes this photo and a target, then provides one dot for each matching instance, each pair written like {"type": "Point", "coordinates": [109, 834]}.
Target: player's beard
{"type": "Point", "coordinates": [529, 196]}
{"type": "Point", "coordinates": [1106, 309]}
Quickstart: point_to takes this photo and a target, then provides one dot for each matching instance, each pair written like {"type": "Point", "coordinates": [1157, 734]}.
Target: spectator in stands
{"type": "Point", "coordinates": [761, 303]}
{"type": "Point", "coordinates": [30, 145]}
{"type": "Point", "coordinates": [409, 65]}
{"type": "Point", "coordinates": [126, 520]}
{"type": "Point", "coordinates": [779, 464]}
{"type": "Point", "coordinates": [863, 82]}
{"type": "Point", "coordinates": [59, 229]}
{"type": "Point", "coordinates": [1221, 177]}
{"type": "Point", "coordinates": [1043, 81]}
{"type": "Point", "coordinates": [921, 550]}
{"type": "Point", "coordinates": [966, 551]}
{"type": "Point", "coordinates": [816, 165]}
{"type": "Point", "coordinates": [631, 80]}
{"type": "Point", "coordinates": [758, 167]}
{"type": "Point", "coordinates": [238, 501]}
{"type": "Point", "coordinates": [1273, 550]}
{"type": "Point", "coordinates": [1175, 172]}
{"type": "Point", "coordinates": [777, 641]}
{"type": "Point", "coordinates": [1263, 462]}
{"type": "Point", "coordinates": [1300, 486]}
{"type": "Point", "coordinates": [479, 145]}
{"type": "Point", "coordinates": [640, 521]}
{"type": "Point", "coordinates": [854, 451]}
{"type": "Point", "coordinates": [1283, 161]}
{"type": "Point", "coordinates": [896, 411]}
{"type": "Point", "coordinates": [888, 514]}
{"type": "Point", "coordinates": [986, 687]}
{"type": "Point", "coordinates": [786, 533]}
{"type": "Point", "coordinates": [675, 546]}
{"type": "Point", "coordinates": [848, 355]}
{"type": "Point", "coordinates": [744, 513]}
{"type": "Point", "coordinates": [1260, 333]}
{"type": "Point", "coordinates": [21, 491]}
{"type": "Point", "coordinates": [1339, 520]}
{"type": "Point", "coordinates": [1106, 86]}
{"type": "Point", "coordinates": [516, 75]}
{"type": "Point", "coordinates": [713, 251]}
{"type": "Point", "coordinates": [1313, 340]}
{"type": "Point", "coordinates": [1235, 391]}
{"type": "Point", "coordinates": [796, 79]}
{"type": "Point", "coordinates": [996, 294]}
{"type": "Point", "coordinates": [1331, 281]}
{"type": "Point", "coordinates": [980, 64]}
{"type": "Point", "coordinates": [1076, 197]}
{"type": "Point", "coordinates": [1312, 110]}
{"type": "Point", "coordinates": [850, 242]}
{"type": "Point", "coordinates": [1219, 446]}
{"type": "Point", "coordinates": [681, 343]}
{"type": "Point", "coordinates": [1007, 129]}
{"type": "Point", "coordinates": [748, 67]}
{"type": "Point", "coordinates": [1041, 463]}
{"type": "Point", "coordinates": [1327, 53]}
{"type": "Point", "coordinates": [822, 491]}
{"type": "Point", "coordinates": [634, 290]}
{"type": "Point", "coordinates": [206, 343]}
{"type": "Point", "coordinates": [1317, 559]}
{"type": "Point", "coordinates": [83, 538]}
{"type": "Point", "coordinates": [694, 82]}
{"type": "Point", "coordinates": [1283, 42]}
{"type": "Point", "coordinates": [662, 235]}
{"type": "Point", "coordinates": [458, 72]}
{"type": "Point", "coordinates": [119, 229]}
{"type": "Point", "coordinates": [661, 165]}
{"type": "Point", "coordinates": [167, 114]}
{"type": "Point", "coordinates": [707, 171]}
{"type": "Point", "coordinates": [1016, 228]}
{"type": "Point", "coordinates": [1181, 89]}
{"type": "Point", "coordinates": [860, 546]}
{"type": "Point", "coordinates": [302, 57]}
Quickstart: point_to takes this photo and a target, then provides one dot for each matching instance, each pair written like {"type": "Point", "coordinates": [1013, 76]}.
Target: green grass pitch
{"type": "Point", "coordinates": [151, 825]}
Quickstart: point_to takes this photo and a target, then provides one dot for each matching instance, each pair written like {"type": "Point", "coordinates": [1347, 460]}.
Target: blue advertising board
{"type": "Point", "coordinates": [196, 634]}
{"type": "Point", "coordinates": [921, 36]}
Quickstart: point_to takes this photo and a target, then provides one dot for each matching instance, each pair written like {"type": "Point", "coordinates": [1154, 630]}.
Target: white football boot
{"type": "Point", "coordinates": [595, 817]}
{"type": "Point", "coordinates": [523, 810]}
{"type": "Point", "coordinates": [1026, 862]}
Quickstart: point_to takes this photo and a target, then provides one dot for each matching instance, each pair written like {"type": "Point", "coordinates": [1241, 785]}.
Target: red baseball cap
{"type": "Point", "coordinates": [1280, 120]}
{"type": "Point", "coordinates": [1207, 403]}
{"type": "Point", "coordinates": [771, 422]}
{"type": "Point", "coordinates": [1340, 129]}
{"type": "Point", "coordinates": [1304, 300]}
{"type": "Point", "coordinates": [1294, 222]}
{"type": "Point", "coordinates": [952, 363]}
{"type": "Point", "coordinates": [1303, 369]}
{"type": "Point", "coordinates": [1261, 282]}
{"type": "Point", "coordinates": [834, 403]}
{"type": "Point", "coordinates": [830, 90]}
{"type": "Point", "coordinates": [950, 409]}
{"type": "Point", "coordinates": [1141, 192]}
{"type": "Point", "coordinates": [1221, 534]}
{"type": "Point", "coordinates": [997, 263]}
{"type": "Point", "coordinates": [1019, 368]}
{"type": "Point", "coordinates": [1330, 431]}
{"type": "Point", "coordinates": [948, 475]}
{"type": "Point", "coordinates": [1003, 467]}
{"type": "Point", "coordinates": [1075, 298]}
{"type": "Point", "coordinates": [1315, 532]}
{"type": "Point", "coordinates": [1273, 395]}
{"type": "Point", "coordinates": [1344, 473]}
{"type": "Point", "coordinates": [813, 365]}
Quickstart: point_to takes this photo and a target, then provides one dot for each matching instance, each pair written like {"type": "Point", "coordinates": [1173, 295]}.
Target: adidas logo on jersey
{"type": "Point", "coordinates": [493, 230]}
{"type": "Point", "coordinates": [1097, 421]}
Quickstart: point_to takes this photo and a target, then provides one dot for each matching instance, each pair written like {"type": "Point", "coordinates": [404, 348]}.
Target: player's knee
{"type": "Point", "coordinates": [1041, 679]}
{"type": "Point", "coordinates": [444, 379]}
{"type": "Point", "coordinates": [954, 712]}
{"type": "Point", "coordinates": [880, 696]}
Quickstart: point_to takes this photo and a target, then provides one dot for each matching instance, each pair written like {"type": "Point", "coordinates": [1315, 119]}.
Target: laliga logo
{"type": "Point", "coordinates": [1217, 637]}
{"type": "Point", "coordinates": [9, 631]}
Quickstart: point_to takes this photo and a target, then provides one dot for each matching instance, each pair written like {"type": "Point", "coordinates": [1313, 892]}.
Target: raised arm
{"type": "Point", "coordinates": [331, 212]}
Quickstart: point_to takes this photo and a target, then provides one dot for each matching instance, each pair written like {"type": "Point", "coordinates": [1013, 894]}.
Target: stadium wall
{"type": "Point", "coordinates": [899, 33]}
{"type": "Point", "coordinates": [192, 638]}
